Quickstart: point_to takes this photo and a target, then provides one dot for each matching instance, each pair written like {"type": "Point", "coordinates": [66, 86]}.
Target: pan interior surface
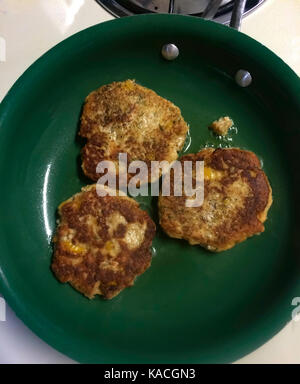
{"type": "Point", "coordinates": [191, 306]}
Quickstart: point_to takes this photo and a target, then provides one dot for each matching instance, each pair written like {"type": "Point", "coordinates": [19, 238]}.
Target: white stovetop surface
{"type": "Point", "coordinates": [30, 28]}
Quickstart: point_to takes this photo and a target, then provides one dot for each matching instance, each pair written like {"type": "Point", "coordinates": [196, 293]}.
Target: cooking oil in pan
{"type": "Point", "coordinates": [153, 251]}
{"type": "Point", "coordinates": [187, 143]}
{"type": "Point", "coordinates": [217, 141]}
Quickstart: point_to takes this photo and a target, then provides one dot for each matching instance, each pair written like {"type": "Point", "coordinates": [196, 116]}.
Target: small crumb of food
{"type": "Point", "coordinates": [221, 126]}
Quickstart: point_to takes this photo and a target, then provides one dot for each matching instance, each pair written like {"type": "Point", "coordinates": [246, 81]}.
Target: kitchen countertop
{"type": "Point", "coordinates": [28, 28]}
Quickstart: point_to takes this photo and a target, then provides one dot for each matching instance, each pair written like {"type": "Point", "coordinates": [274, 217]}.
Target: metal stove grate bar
{"type": "Point", "coordinates": [121, 8]}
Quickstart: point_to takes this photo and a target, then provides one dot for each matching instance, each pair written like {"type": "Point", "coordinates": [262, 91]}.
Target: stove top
{"type": "Point", "coordinates": [120, 8]}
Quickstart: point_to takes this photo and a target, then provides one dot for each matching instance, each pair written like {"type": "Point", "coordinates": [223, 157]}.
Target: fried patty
{"type": "Point", "coordinates": [124, 117]}
{"type": "Point", "coordinates": [237, 197]}
{"type": "Point", "coordinates": [102, 243]}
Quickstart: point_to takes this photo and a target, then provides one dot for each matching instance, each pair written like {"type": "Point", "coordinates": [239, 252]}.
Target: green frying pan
{"type": "Point", "coordinates": [191, 306]}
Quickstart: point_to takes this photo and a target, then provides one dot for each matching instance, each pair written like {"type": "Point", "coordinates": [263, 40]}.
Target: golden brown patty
{"type": "Point", "coordinates": [237, 197]}
{"type": "Point", "coordinates": [124, 117]}
{"type": "Point", "coordinates": [101, 243]}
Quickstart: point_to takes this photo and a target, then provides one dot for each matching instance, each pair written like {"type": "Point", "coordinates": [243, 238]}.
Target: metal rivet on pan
{"type": "Point", "coordinates": [243, 78]}
{"type": "Point", "coordinates": [170, 51]}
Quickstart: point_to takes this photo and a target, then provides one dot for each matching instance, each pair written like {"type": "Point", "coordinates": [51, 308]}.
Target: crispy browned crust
{"type": "Point", "coordinates": [235, 203]}
{"type": "Point", "coordinates": [91, 250]}
{"type": "Point", "coordinates": [124, 117]}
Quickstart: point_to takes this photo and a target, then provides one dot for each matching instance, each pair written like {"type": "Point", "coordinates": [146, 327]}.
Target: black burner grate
{"type": "Point", "coordinates": [120, 8]}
